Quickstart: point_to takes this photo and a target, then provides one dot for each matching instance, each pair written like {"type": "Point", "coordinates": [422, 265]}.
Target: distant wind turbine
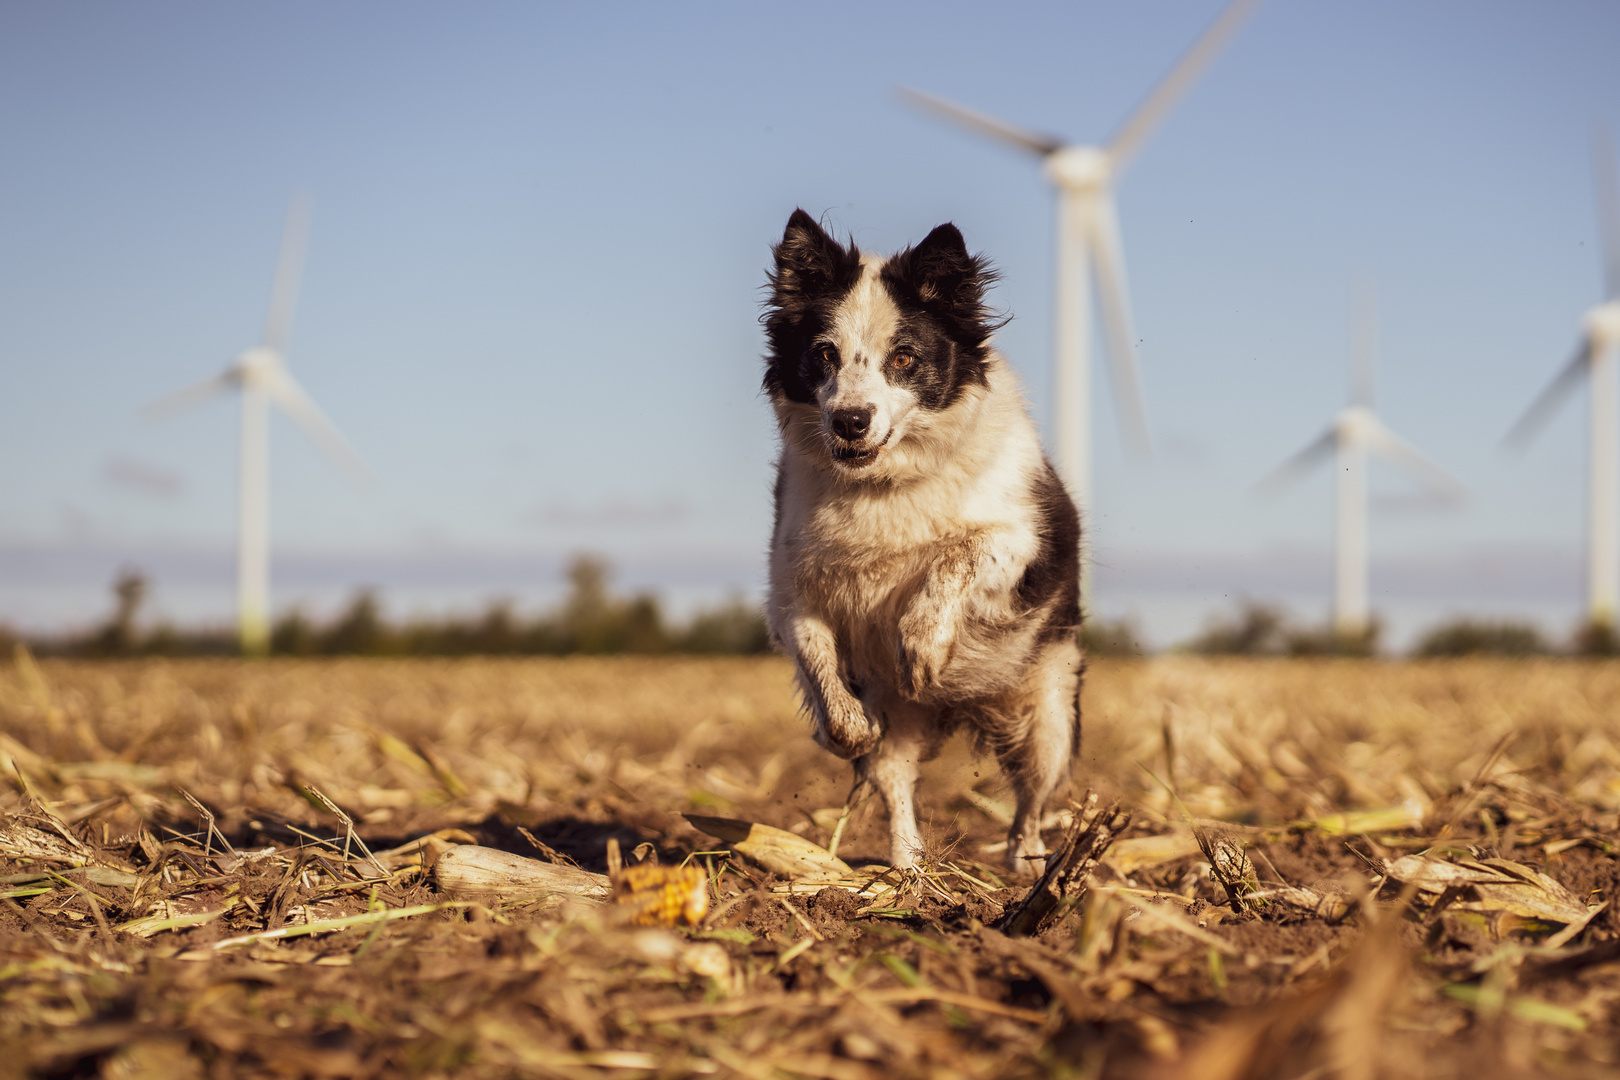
{"type": "Point", "coordinates": [1595, 358]}
{"type": "Point", "coordinates": [1087, 238]}
{"type": "Point", "coordinates": [260, 373]}
{"type": "Point", "coordinates": [1354, 432]}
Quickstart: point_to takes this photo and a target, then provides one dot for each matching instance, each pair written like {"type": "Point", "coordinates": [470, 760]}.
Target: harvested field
{"type": "Point", "coordinates": [1335, 868]}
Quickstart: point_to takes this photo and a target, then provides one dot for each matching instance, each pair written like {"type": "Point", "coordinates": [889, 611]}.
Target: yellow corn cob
{"type": "Point", "coordinates": [662, 895]}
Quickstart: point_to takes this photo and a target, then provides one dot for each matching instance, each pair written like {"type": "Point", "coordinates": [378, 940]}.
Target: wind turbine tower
{"type": "Point", "coordinates": [1595, 358]}
{"type": "Point", "coordinates": [1348, 439]}
{"type": "Point", "coordinates": [1088, 243]}
{"type": "Point", "coordinates": [260, 374]}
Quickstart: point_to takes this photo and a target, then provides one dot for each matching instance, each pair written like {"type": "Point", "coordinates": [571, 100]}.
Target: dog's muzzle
{"type": "Point", "coordinates": [857, 455]}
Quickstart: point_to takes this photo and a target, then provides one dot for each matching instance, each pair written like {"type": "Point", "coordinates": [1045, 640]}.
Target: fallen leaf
{"type": "Point", "coordinates": [776, 850]}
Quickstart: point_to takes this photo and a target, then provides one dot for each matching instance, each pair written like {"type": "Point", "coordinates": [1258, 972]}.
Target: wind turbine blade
{"type": "Point", "coordinates": [1140, 124]}
{"type": "Point", "coordinates": [1363, 346]}
{"type": "Point", "coordinates": [1399, 452]}
{"type": "Point", "coordinates": [195, 394]}
{"type": "Point", "coordinates": [1541, 410]}
{"type": "Point", "coordinates": [285, 392]}
{"type": "Point", "coordinates": [1117, 322]}
{"type": "Point", "coordinates": [289, 268]}
{"type": "Point", "coordinates": [1292, 470]}
{"type": "Point", "coordinates": [983, 123]}
{"type": "Point", "coordinates": [1607, 186]}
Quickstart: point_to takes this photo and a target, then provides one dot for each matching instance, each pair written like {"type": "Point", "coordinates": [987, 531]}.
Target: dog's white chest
{"type": "Point", "coordinates": [859, 559]}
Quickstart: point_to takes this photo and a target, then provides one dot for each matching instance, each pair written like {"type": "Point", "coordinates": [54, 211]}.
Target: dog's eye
{"type": "Point", "coordinates": [826, 354]}
{"type": "Point", "coordinates": [900, 360]}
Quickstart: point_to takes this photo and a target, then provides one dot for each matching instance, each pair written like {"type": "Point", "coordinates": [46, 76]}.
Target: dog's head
{"type": "Point", "coordinates": [865, 351]}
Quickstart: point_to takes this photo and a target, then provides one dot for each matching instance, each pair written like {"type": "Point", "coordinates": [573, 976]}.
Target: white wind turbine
{"type": "Point", "coordinates": [260, 373]}
{"type": "Point", "coordinates": [1087, 238]}
{"type": "Point", "coordinates": [1354, 432]}
{"type": "Point", "coordinates": [1595, 358]}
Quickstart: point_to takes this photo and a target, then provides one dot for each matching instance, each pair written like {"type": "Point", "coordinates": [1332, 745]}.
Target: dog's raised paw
{"type": "Point", "coordinates": [848, 732]}
{"type": "Point", "coordinates": [922, 654]}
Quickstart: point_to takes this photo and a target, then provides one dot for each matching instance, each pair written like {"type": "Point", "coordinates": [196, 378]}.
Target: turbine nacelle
{"type": "Point", "coordinates": [258, 366]}
{"type": "Point", "coordinates": [1080, 168]}
{"type": "Point", "coordinates": [1602, 325]}
{"type": "Point", "coordinates": [1356, 424]}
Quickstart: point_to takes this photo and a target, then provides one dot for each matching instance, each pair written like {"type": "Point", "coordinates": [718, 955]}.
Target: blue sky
{"type": "Point", "coordinates": [539, 233]}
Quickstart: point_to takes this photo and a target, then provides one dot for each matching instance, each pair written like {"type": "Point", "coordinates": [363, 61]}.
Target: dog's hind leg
{"type": "Point", "coordinates": [1038, 744]}
{"type": "Point", "coordinates": [893, 769]}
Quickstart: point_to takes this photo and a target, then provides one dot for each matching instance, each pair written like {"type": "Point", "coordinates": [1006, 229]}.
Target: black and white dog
{"type": "Point", "coordinates": [924, 568]}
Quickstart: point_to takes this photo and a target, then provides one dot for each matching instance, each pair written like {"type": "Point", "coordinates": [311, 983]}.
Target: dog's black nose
{"type": "Point", "coordinates": [851, 423]}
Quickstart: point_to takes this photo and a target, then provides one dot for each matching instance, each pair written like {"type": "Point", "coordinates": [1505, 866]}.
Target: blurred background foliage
{"type": "Point", "coordinates": [1257, 629]}
{"type": "Point", "coordinates": [592, 619]}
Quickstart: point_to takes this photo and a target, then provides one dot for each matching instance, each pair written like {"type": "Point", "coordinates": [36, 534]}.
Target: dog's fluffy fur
{"type": "Point", "coordinates": [924, 566]}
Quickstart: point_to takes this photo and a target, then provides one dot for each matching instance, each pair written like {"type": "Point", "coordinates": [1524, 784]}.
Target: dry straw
{"type": "Point", "coordinates": [1351, 869]}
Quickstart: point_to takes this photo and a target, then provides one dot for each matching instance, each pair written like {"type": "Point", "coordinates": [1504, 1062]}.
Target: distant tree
{"type": "Point", "coordinates": [1256, 630]}
{"type": "Point", "coordinates": [639, 626]}
{"type": "Point", "coordinates": [294, 635]}
{"type": "Point", "coordinates": [359, 630]}
{"type": "Point", "coordinates": [1329, 641]}
{"type": "Point", "coordinates": [735, 627]}
{"type": "Point", "coordinates": [164, 639]}
{"type": "Point", "coordinates": [1596, 639]}
{"type": "Point", "coordinates": [1103, 637]}
{"type": "Point", "coordinates": [117, 637]}
{"type": "Point", "coordinates": [585, 615]}
{"type": "Point", "coordinates": [591, 619]}
{"type": "Point", "coordinates": [1470, 637]}
{"type": "Point", "coordinates": [1261, 630]}
{"type": "Point", "coordinates": [496, 631]}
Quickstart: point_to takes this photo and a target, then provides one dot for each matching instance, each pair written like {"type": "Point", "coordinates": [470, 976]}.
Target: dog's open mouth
{"type": "Point", "coordinates": [858, 457]}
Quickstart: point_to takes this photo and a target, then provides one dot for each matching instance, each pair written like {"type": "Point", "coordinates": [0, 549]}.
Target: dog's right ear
{"type": "Point", "coordinates": [812, 271]}
{"type": "Point", "coordinates": [808, 261]}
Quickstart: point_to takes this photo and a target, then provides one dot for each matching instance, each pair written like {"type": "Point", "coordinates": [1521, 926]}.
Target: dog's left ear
{"type": "Point", "coordinates": [940, 264]}
{"type": "Point", "coordinates": [940, 276]}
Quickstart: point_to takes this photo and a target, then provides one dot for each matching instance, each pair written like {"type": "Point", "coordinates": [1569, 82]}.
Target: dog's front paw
{"type": "Point", "coordinates": [846, 730]}
{"type": "Point", "coordinates": [924, 651]}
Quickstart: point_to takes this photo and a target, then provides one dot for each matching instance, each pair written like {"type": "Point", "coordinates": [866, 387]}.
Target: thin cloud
{"type": "Point", "coordinates": [610, 513]}
{"type": "Point", "coordinates": [138, 476]}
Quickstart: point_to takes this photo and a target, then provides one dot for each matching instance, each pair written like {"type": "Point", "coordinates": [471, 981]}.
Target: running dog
{"type": "Point", "coordinates": [924, 564]}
